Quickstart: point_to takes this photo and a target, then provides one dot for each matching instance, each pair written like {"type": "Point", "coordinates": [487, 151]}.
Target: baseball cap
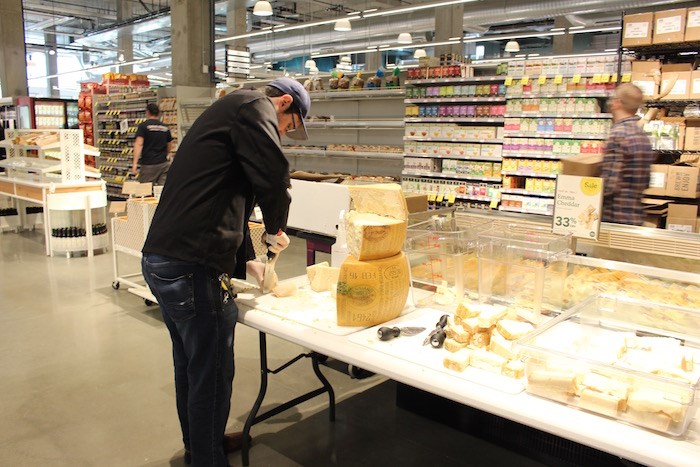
{"type": "Point", "coordinates": [301, 100]}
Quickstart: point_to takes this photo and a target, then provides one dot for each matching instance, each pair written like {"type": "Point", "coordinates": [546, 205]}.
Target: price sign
{"type": "Point", "coordinates": [525, 80]}
{"type": "Point", "coordinates": [124, 126]}
{"type": "Point", "coordinates": [614, 78]}
{"type": "Point", "coordinates": [509, 80]}
{"type": "Point", "coordinates": [626, 77]}
{"type": "Point", "coordinates": [578, 204]}
{"type": "Point", "coordinates": [439, 199]}
{"type": "Point", "coordinates": [558, 79]}
{"type": "Point", "coordinates": [451, 198]}
{"type": "Point", "coordinates": [495, 199]}
{"type": "Point", "coordinates": [542, 79]}
{"type": "Point", "coordinates": [576, 79]}
{"type": "Point", "coordinates": [605, 78]}
{"type": "Point", "coordinates": [596, 78]}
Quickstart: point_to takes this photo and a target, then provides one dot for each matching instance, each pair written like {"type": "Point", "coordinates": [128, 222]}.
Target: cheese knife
{"type": "Point", "coordinates": [269, 276]}
{"type": "Point", "coordinates": [385, 333]}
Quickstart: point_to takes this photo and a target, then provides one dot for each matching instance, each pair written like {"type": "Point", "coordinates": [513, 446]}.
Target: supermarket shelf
{"type": "Point", "coordinates": [356, 124]}
{"type": "Point", "coordinates": [8, 144]}
{"type": "Point", "coordinates": [670, 103]}
{"type": "Point", "coordinates": [476, 79]}
{"type": "Point", "coordinates": [455, 157]}
{"type": "Point", "coordinates": [555, 136]}
{"type": "Point", "coordinates": [676, 152]}
{"type": "Point", "coordinates": [453, 140]}
{"type": "Point", "coordinates": [473, 198]}
{"type": "Point", "coordinates": [117, 120]}
{"type": "Point", "coordinates": [353, 154]}
{"type": "Point", "coordinates": [558, 115]}
{"type": "Point", "coordinates": [439, 100]}
{"type": "Point", "coordinates": [453, 120]}
{"type": "Point", "coordinates": [664, 49]}
{"type": "Point", "coordinates": [523, 211]}
{"type": "Point", "coordinates": [521, 191]}
{"type": "Point", "coordinates": [360, 94]}
{"type": "Point", "coordinates": [418, 173]}
{"type": "Point", "coordinates": [534, 156]}
{"type": "Point", "coordinates": [528, 174]}
{"type": "Point", "coordinates": [126, 101]}
{"type": "Point", "coordinates": [554, 75]}
{"type": "Point", "coordinates": [537, 95]}
{"type": "Point", "coordinates": [31, 165]}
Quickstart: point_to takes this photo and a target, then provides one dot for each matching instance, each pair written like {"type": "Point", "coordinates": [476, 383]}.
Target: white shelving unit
{"type": "Point", "coordinates": [77, 209]}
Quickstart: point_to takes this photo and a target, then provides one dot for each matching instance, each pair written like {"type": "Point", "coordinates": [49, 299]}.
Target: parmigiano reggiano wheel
{"type": "Point", "coordinates": [371, 292]}
{"type": "Point", "coordinates": [371, 236]}
{"type": "Point", "coordinates": [384, 199]}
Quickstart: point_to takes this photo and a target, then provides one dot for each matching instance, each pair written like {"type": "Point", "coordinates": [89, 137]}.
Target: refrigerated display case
{"type": "Point", "coordinates": [45, 113]}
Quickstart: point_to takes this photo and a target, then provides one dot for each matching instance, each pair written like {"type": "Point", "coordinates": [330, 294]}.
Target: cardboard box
{"type": "Point", "coordinates": [585, 165]}
{"type": "Point", "coordinates": [692, 135]}
{"type": "Point", "coordinates": [695, 84]}
{"type": "Point", "coordinates": [683, 181]}
{"type": "Point", "coordinates": [692, 26]}
{"type": "Point", "coordinates": [637, 29]}
{"type": "Point", "coordinates": [643, 73]}
{"type": "Point", "coordinates": [681, 87]}
{"type": "Point", "coordinates": [697, 226]}
{"type": "Point", "coordinates": [682, 218]}
{"type": "Point", "coordinates": [669, 26]}
{"type": "Point", "coordinates": [657, 180]}
{"type": "Point", "coordinates": [416, 202]}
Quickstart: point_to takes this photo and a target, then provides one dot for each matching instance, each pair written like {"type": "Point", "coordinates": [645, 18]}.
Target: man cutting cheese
{"type": "Point", "coordinates": [230, 159]}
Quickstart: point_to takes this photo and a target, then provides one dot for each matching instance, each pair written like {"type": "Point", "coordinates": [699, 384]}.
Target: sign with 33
{"type": "Point", "coordinates": [578, 203]}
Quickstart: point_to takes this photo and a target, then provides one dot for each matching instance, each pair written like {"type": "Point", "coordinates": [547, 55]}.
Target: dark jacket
{"type": "Point", "coordinates": [228, 160]}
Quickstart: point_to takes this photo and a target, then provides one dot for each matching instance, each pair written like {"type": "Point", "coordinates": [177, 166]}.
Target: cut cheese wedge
{"type": "Point", "coordinates": [371, 292]}
{"type": "Point", "coordinates": [311, 270]}
{"type": "Point", "coordinates": [384, 199]}
{"type": "Point", "coordinates": [371, 236]}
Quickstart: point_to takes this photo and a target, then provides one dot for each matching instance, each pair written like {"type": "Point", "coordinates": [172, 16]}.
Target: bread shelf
{"type": "Point", "coordinates": [455, 176]}
{"type": "Point", "coordinates": [442, 100]}
{"type": "Point", "coordinates": [476, 79]}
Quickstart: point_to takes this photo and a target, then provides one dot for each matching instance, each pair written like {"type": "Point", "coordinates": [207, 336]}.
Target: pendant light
{"type": "Point", "coordinates": [262, 8]}
{"type": "Point", "coordinates": [345, 59]}
{"type": "Point", "coordinates": [310, 63]}
{"type": "Point", "coordinates": [404, 38]}
{"type": "Point", "coordinates": [342, 25]}
{"type": "Point", "coordinates": [512, 46]}
{"type": "Point", "coordinates": [419, 53]}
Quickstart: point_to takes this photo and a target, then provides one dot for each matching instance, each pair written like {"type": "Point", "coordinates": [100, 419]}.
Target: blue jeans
{"type": "Point", "coordinates": [201, 322]}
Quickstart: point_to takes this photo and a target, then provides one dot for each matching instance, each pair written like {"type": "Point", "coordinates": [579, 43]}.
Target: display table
{"type": "Point", "coordinates": [38, 192]}
{"type": "Point", "coordinates": [585, 428]}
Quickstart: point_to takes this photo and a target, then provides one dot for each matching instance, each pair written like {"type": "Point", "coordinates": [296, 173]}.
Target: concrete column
{"type": "Point", "coordinates": [448, 23]}
{"type": "Point", "coordinates": [125, 41]}
{"type": "Point", "coordinates": [190, 43]}
{"type": "Point", "coordinates": [51, 64]}
{"type": "Point", "coordinates": [13, 55]}
{"type": "Point", "coordinates": [236, 23]}
{"type": "Point", "coordinates": [562, 45]}
{"type": "Point", "coordinates": [373, 61]}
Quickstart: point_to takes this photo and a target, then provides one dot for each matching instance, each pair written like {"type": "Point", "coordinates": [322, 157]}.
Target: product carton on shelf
{"type": "Point", "coordinates": [695, 83]}
{"type": "Point", "coordinates": [692, 135]}
{"type": "Point", "coordinates": [683, 181]}
{"type": "Point", "coordinates": [669, 26]}
{"type": "Point", "coordinates": [584, 165]}
{"type": "Point", "coordinates": [416, 202]}
{"type": "Point", "coordinates": [657, 180]}
{"type": "Point", "coordinates": [643, 73]}
{"type": "Point", "coordinates": [637, 29]}
{"type": "Point", "coordinates": [681, 72]}
{"type": "Point", "coordinates": [692, 26]}
{"type": "Point", "coordinates": [681, 218]}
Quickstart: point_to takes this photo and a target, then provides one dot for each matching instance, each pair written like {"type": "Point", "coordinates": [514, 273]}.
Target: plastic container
{"type": "Point", "coordinates": [621, 358]}
{"type": "Point", "coordinates": [443, 260]}
{"type": "Point", "coordinates": [525, 267]}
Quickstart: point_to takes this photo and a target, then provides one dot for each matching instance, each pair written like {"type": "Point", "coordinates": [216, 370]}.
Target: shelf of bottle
{"type": "Point", "coordinates": [443, 100]}
{"type": "Point", "coordinates": [474, 79]}
{"type": "Point", "coordinates": [359, 94]}
{"type": "Point", "coordinates": [538, 95]}
{"type": "Point", "coordinates": [557, 115]}
{"type": "Point", "coordinates": [548, 135]}
{"type": "Point", "coordinates": [453, 120]}
{"type": "Point", "coordinates": [420, 173]}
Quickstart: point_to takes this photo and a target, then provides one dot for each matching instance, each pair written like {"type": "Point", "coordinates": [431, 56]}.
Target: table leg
{"type": "Point", "coordinates": [245, 447]}
{"type": "Point", "coordinates": [326, 385]}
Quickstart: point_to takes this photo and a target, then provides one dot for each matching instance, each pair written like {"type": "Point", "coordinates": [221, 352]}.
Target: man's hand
{"type": "Point", "coordinates": [256, 269]}
{"type": "Point", "coordinates": [276, 243]}
{"type": "Point", "coordinates": [134, 170]}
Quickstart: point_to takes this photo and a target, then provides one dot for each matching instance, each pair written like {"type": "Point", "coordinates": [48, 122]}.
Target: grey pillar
{"type": "Point", "coordinates": [236, 23]}
{"type": "Point", "coordinates": [191, 57]}
{"type": "Point", "coordinates": [373, 61]}
{"type": "Point", "coordinates": [448, 23]}
{"type": "Point", "coordinates": [51, 64]}
{"type": "Point", "coordinates": [562, 45]}
{"type": "Point", "coordinates": [125, 41]}
{"type": "Point", "coordinates": [13, 55]}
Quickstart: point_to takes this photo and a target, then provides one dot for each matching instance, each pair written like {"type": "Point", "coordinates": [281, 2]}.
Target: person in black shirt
{"type": "Point", "coordinates": [153, 144]}
{"type": "Point", "coordinates": [228, 161]}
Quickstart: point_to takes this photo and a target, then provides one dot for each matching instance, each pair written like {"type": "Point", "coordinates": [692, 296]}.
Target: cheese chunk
{"type": "Point", "coordinates": [480, 339]}
{"type": "Point", "coordinates": [471, 325]}
{"type": "Point", "coordinates": [452, 345]}
{"type": "Point", "coordinates": [384, 199]}
{"type": "Point", "coordinates": [604, 384]}
{"type": "Point", "coordinates": [490, 314]}
{"type": "Point", "coordinates": [514, 369]}
{"type": "Point", "coordinates": [311, 270]}
{"type": "Point", "coordinates": [467, 310]}
{"type": "Point", "coordinates": [552, 380]}
{"type": "Point", "coordinates": [513, 330]}
{"type": "Point", "coordinates": [325, 278]}
{"type": "Point", "coordinates": [371, 292]}
{"type": "Point", "coordinates": [601, 403]}
{"type": "Point", "coordinates": [371, 236]}
{"type": "Point", "coordinates": [501, 346]}
{"type": "Point", "coordinates": [461, 335]}
{"type": "Point", "coordinates": [486, 360]}
{"type": "Point", "coordinates": [285, 289]}
{"type": "Point", "coordinates": [652, 400]}
{"type": "Point", "coordinates": [457, 361]}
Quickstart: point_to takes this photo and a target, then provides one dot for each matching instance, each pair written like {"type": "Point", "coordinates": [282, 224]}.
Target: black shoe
{"type": "Point", "coordinates": [232, 443]}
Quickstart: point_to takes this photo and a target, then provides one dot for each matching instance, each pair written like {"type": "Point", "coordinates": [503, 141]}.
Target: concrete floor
{"type": "Point", "coordinates": [86, 379]}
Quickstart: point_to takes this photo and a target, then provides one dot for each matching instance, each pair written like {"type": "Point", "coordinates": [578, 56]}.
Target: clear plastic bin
{"type": "Point", "coordinates": [619, 357]}
{"type": "Point", "coordinates": [443, 260]}
{"type": "Point", "coordinates": [524, 267]}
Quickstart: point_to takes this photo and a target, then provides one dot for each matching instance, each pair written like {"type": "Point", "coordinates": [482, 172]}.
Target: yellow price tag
{"type": "Point", "coordinates": [542, 79]}
{"type": "Point", "coordinates": [576, 79]}
{"type": "Point", "coordinates": [431, 198]}
{"type": "Point", "coordinates": [558, 79]}
{"type": "Point", "coordinates": [440, 198]}
{"type": "Point", "coordinates": [451, 198]}
{"type": "Point", "coordinates": [626, 77]}
{"type": "Point", "coordinates": [614, 78]}
{"type": "Point", "coordinates": [596, 78]}
{"type": "Point", "coordinates": [605, 78]}
{"type": "Point", "coordinates": [525, 79]}
{"type": "Point", "coordinates": [509, 80]}
{"type": "Point", "coordinates": [495, 199]}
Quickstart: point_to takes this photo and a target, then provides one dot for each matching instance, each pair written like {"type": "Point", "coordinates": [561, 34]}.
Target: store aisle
{"type": "Point", "coordinates": [87, 380]}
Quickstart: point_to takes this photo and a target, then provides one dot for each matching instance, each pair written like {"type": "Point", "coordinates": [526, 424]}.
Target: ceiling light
{"type": "Point", "coordinates": [262, 8]}
{"type": "Point", "coordinates": [310, 64]}
{"type": "Point", "coordinates": [419, 53]}
{"type": "Point", "coordinates": [345, 59]}
{"type": "Point", "coordinates": [398, 11]}
{"type": "Point", "coordinates": [512, 46]}
{"type": "Point", "coordinates": [512, 36]}
{"type": "Point", "coordinates": [342, 25]}
{"type": "Point", "coordinates": [603, 29]}
{"type": "Point", "coordinates": [404, 38]}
